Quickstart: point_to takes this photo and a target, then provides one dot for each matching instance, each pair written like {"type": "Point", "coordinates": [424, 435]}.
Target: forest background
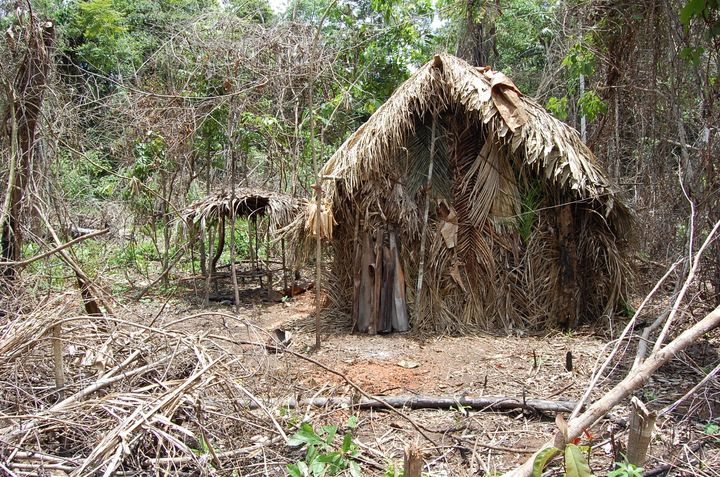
{"type": "Point", "coordinates": [152, 104]}
{"type": "Point", "coordinates": [118, 114]}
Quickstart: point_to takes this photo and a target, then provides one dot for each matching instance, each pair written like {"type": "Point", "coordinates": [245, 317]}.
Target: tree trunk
{"type": "Point", "coordinates": [21, 116]}
{"type": "Point", "coordinates": [476, 44]}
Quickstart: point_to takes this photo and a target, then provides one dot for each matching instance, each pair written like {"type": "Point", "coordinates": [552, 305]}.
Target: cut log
{"type": "Point", "coordinates": [412, 463]}
{"type": "Point", "coordinates": [485, 403]}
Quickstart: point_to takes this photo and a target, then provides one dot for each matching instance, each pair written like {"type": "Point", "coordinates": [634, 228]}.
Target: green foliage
{"type": "Point", "coordinates": [627, 309]}
{"type": "Point", "coordinates": [575, 464]}
{"type": "Point", "coordinates": [558, 107]}
{"type": "Point", "coordinates": [701, 9]}
{"type": "Point", "coordinates": [98, 35]}
{"type": "Point", "coordinates": [324, 456]}
{"type": "Point", "coordinates": [712, 428]}
{"type": "Point", "coordinates": [542, 459]}
{"type": "Point", "coordinates": [625, 469]}
{"type": "Point", "coordinates": [692, 54]}
{"type": "Point", "coordinates": [580, 60]}
{"type": "Point", "coordinates": [530, 202]}
{"type": "Point", "coordinates": [524, 29]}
{"type": "Point", "coordinates": [87, 179]}
{"type": "Point", "coordinates": [707, 12]}
{"type": "Point", "coordinates": [591, 105]}
{"type": "Point", "coordinates": [146, 173]}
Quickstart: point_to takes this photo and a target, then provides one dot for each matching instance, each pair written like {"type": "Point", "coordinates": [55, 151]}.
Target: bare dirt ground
{"type": "Point", "coordinates": [169, 387]}
{"type": "Point", "coordinates": [469, 442]}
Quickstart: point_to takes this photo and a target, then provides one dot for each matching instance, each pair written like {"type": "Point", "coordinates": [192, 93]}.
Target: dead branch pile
{"type": "Point", "coordinates": [147, 399]}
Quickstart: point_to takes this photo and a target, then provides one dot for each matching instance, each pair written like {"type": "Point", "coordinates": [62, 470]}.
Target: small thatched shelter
{"type": "Point", "coordinates": [251, 204]}
{"type": "Point", "coordinates": [461, 188]}
{"type": "Point", "coordinates": [247, 203]}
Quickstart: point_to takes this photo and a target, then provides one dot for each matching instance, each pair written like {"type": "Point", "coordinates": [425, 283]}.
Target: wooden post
{"type": "Point", "coordinates": [357, 270]}
{"type": "Point", "coordinates": [377, 282]}
{"type": "Point", "coordinates": [423, 232]}
{"type": "Point", "coordinates": [365, 294]}
{"type": "Point", "coordinates": [58, 360]}
{"type": "Point", "coordinates": [642, 423]}
{"type": "Point", "coordinates": [399, 316]}
{"type": "Point", "coordinates": [413, 463]}
{"type": "Point", "coordinates": [568, 267]}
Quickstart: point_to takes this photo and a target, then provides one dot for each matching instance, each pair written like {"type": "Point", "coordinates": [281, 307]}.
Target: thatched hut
{"type": "Point", "coordinates": [251, 204]}
{"type": "Point", "coordinates": [461, 189]}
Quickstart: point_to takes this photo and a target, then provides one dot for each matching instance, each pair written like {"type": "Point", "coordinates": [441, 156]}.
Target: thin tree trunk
{"type": "Point", "coordinates": [233, 213]}
{"type": "Point", "coordinates": [426, 213]}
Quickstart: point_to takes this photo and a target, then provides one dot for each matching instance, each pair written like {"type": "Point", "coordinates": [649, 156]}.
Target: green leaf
{"type": "Point", "coordinates": [355, 469]}
{"type": "Point", "coordinates": [575, 463]}
{"type": "Point", "coordinates": [294, 470]}
{"type": "Point", "coordinates": [692, 8]}
{"type": "Point", "coordinates": [318, 468]}
{"type": "Point", "coordinates": [306, 435]}
{"type": "Point", "coordinates": [347, 443]}
{"type": "Point", "coordinates": [352, 422]}
{"type": "Point", "coordinates": [712, 428]}
{"type": "Point", "coordinates": [542, 459]}
{"type": "Point", "coordinates": [330, 431]}
{"type": "Point", "coordinates": [329, 458]}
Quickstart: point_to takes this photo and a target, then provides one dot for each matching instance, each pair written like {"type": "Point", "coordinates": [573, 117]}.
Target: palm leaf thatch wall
{"type": "Point", "coordinates": [523, 231]}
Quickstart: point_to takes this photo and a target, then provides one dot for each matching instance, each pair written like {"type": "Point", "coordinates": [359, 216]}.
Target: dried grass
{"type": "Point", "coordinates": [161, 400]}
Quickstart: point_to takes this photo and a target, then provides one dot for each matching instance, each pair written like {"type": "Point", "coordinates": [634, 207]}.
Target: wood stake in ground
{"type": "Point", "coordinates": [413, 463]}
{"type": "Point", "coordinates": [642, 423]}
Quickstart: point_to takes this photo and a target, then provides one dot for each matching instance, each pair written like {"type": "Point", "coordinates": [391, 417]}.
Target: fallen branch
{"type": "Point", "coordinates": [486, 403]}
{"type": "Point", "coordinates": [347, 380]}
{"type": "Point", "coordinates": [624, 388]}
{"type": "Point", "coordinates": [24, 263]}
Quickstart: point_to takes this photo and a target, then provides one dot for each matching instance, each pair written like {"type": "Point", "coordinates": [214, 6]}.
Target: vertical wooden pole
{"type": "Point", "coordinates": [377, 282]}
{"type": "Point", "coordinates": [428, 196]}
{"type": "Point", "coordinates": [399, 315]}
{"type": "Point", "coordinates": [356, 270]}
{"type": "Point", "coordinates": [318, 182]}
{"type": "Point", "coordinates": [233, 211]}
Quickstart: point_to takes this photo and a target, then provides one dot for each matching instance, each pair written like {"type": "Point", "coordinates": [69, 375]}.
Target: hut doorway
{"type": "Point", "coordinates": [379, 303]}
